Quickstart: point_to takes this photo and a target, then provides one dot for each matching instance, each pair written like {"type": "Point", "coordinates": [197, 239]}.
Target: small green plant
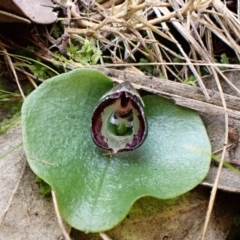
{"type": "Point", "coordinates": [38, 70]}
{"type": "Point", "coordinates": [146, 68]}
{"type": "Point", "coordinates": [224, 60]}
{"type": "Point", "coordinates": [35, 66]}
{"type": "Point", "coordinates": [10, 106]}
{"type": "Point", "coordinates": [44, 188]}
{"type": "Point", "coordinates": [177, 60]}
{"type": "Point", "coordinates": [56, 30]}
{"type": "Point", "coordinates": [191, 80]}
{"type": "Point", "coordinates": [87, 54]}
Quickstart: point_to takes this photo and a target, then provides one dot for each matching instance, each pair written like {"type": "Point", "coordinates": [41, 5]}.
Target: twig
{"type": "Point", "coordinates": [199, 63]}
{"type": "Point", "coordinates": [62, 42]}
{"type": "Point", "coordinates": [182, 94]}
{"type": "Point", "coordinates": [167, 17]}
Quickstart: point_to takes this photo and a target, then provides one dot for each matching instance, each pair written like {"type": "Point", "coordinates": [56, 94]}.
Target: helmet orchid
{"type": "Point", "coordinates": [118, 121]}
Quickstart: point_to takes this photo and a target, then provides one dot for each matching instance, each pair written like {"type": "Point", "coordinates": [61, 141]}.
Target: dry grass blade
{"type": "Point", "coordinates": [226, 32]}
{"type": "Point", "coordinates": [59, 218]}
{"type": "Point", "coordinates": [215, 186]}
{"type": "Point", "coordinates": [187, 35]}
{"type": "Point", "coordinates": [104, 236]}
{"type": "Point", "coordinates": [9, 60]}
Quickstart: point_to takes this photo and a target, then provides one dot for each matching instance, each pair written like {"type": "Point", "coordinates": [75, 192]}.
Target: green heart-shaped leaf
{"type": "Point", "coordinates": [95, 192]}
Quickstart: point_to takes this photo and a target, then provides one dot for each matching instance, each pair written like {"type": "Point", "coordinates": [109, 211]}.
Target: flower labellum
{"type": "Point", "coordinates": [118, 121]}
